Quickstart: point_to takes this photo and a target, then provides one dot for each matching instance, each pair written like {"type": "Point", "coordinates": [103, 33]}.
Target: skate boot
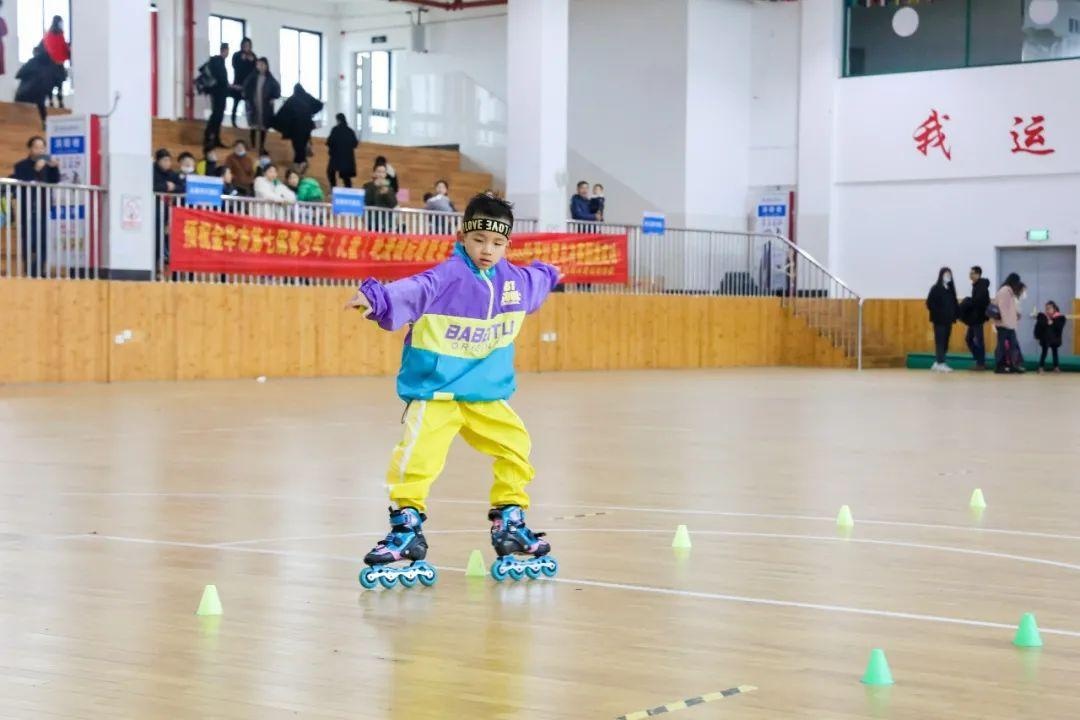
{"type": "Point", "coordinates": [511, 538]}
{"type": "Point", "coordinates": [405, 541]}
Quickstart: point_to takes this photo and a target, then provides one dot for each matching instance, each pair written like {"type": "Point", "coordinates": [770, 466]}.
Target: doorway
{"type": "Point", "coordinates": [1050, 274]}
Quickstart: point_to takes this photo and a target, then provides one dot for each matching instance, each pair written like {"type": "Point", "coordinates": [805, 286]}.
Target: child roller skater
{"type": "Point", "coordinates": [457, 371]}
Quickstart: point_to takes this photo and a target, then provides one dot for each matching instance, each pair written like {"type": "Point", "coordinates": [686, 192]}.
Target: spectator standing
{"type": "Point", "coordinates": [260, 91]}
{"type": "Point", "coordinates": [243, 65]}
{"type": "Point", "coordinates": [33, 202]}
{"type": "Point", "coordinates": [219, 96]}
{"type": "Point", "coordinates": [37, 77]}
{"type": "Point", "coordinates": [3, 34]}
{"type": "Point", "coordinates": [295, 122]}
{"type": "Point", "coordinates": [1049, 329]}
{"type": "Point", "coordinates": [973, 314]}
{"type": "Point", "coordinates": [1006, 313]}
{"type": "Point", "coordinates": [579, 204]}
{"type": "Point", "coordinates": [342, 145]}
{"type": "Point", "coordinates": [242, 167]}
{"type": "Point", "coordinates": [56, 45]}
{"type": "Point", "coordinates": [596, 202]}
{"type": "Point", "coordinates": [942, 304]}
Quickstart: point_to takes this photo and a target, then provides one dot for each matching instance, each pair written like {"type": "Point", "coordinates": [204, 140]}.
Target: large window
{"type": "Point", "coordinates": [887, 38]}
{"type": "Point", "coordinates": [376, 91]}
{"type": "Point", "coordinates": [34, 18]}
{"type": "Point", "coordinates": [225, 29]}
{"type": "Point", "coordinates": [301, 60]}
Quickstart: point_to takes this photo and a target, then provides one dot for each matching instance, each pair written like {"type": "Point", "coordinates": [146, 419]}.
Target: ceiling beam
{"type": "Point", "coordinates": [454, 4]}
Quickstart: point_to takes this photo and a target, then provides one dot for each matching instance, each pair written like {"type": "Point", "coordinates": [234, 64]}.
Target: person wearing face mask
{"type": "Point", "coordinates": [208, 165]}
{"type": "Point", "coordinates": [942, 303]}
{"type": "Point", "coordinates": [242, 167]}
{"type": "Point", "coordinates": [186, 163]}
{"type": "Point", "coordinates": [33, 203]}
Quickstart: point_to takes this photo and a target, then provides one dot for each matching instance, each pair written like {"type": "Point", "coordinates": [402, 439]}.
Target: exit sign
{"type": "Point", "coordinates": [1039, 236]}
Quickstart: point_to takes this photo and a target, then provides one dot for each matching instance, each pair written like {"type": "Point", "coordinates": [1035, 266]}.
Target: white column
{"type": "Point", "coordinates": [113, 48]}
{"type": "Point", "coordinates": [820, 40]}
{"type": "Point", "coordinates": [537, 76]}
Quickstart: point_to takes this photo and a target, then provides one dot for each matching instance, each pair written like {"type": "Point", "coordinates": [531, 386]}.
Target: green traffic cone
{"type": "Point", "coordinates": [210, 604]}
{"type": "Point", "coordinates": [978, 502]}
{"type": "Point", "coordinates": [877, 670]}
{"type": "Point", "coordinates": [476, 566]}
{"type": "Point", "coordinates": [681, 539]}
{"type": "Point", "coordinates": [1027, 633]}
{"type": "Point", "coordinates": [844, 518]}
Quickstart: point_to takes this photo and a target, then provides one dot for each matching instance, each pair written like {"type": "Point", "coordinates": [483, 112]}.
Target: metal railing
{"type": "Point", "coordinates": [398, 220]}
{"type": "Point", "coordinates": [711, 262]}
{"type": "Point", "coordinates": [50, 230]}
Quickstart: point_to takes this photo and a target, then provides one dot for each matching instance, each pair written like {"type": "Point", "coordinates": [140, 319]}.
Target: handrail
{"type": "Point", "coordinates": [60, 186]}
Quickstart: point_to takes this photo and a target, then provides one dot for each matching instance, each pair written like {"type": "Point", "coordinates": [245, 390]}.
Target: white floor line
{"type": "Point", "coordinates": [747, 600]}
{"type": "Point", "coordinates": [724, 533]}
{"type": "Point", "coordinates": [588, 507]}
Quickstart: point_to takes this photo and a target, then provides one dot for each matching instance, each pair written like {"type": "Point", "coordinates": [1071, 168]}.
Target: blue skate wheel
{"type": "Point", "coordinates": [428, 576]}
{"type": "Point", "coordinates": [366, 580]}
{"type": "Point", "coordinates": [388, 581]}
{"type": "Point", "coordinates": [516, 573]}
{"type": "Point", "coordinates": [533, 572]}
{"type": "Point", "coordinates": [498, 570]}
{"type": "Point", "coordinates": [407, 581]}
{"type": "Point", "coordinates": [550, 567]}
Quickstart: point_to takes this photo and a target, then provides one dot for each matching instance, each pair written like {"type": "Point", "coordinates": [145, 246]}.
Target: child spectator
{"type": "Point", "coordinates": [1049, 329]}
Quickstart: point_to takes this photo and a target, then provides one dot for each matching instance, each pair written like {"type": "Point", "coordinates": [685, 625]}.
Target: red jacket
{"type": "Point", "coordinates": [57, 47]}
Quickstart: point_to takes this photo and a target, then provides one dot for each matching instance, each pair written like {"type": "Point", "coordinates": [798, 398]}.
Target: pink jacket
{"type": "Point", "coordinates": [1010, 310]}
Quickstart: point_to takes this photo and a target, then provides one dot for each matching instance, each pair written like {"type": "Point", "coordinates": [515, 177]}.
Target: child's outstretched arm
{"type": "Point", "coordinates": [537, 280]}
{"type": "Point", "coordinates": [397, 304]}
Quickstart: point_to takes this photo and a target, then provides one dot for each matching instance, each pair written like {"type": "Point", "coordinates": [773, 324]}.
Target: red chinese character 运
{"type": "Point", "coordinates": [1033, 136]}
{"type": "Point", "coordinates": [931, 134]}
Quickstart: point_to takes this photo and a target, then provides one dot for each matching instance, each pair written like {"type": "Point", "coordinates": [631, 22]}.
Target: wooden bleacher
{"type": "Point", "coordinates": [417, 168]}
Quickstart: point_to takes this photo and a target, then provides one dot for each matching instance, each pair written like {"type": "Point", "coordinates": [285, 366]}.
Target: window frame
{"type": "Point", "coordinates": [322, 70]}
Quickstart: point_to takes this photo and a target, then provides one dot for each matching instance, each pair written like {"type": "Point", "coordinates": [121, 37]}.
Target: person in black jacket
{"type": "Point", "coordinates": [37, 78]}
{"type": "Point", "coordinates": [295, 122]}
{"type": "Point", "coordinates": [973, 314]}
{"type": "Point", "coordinates": [260, 91]}
{"type": "Point", "coordinates": [243, 64]}
{"type": "Point", "coordinates": [219, 96]}
{"type": "Point", "coordinates": [342, 145]}
{"type": "Point", "coordinates": [34, 203]}
{"type": "Point", "coordinates": [1049, 329]}
{"type": "Point", "coordinates": [942, 304]}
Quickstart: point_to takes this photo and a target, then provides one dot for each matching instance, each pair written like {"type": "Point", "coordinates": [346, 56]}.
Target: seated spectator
{"type": "Point", "coordinates": [227, 187]}
{"type": "Point", "coordinates": [309, 190]}
{"type": "Point", "coordinates": [391, 173]}
{"type": "Point", "coordinates": [165, 178]}
{"type": "Point", "coordinates": [596, 202]}
{"type": "Point", "coordinates": [186, 163]}
{"type": "Point", "coordinates": [208, 165]}
{"type": "Point", "coordinates": [440, 201]}
{"type": "Point", "coordinates": [380, 192]}
{"type": "Point", "coordinates": [292, 180]}
{"type": "Point", "coordinates": [269, 187]}
{"type": "Point", "coordinates": [242, 167]}
{"type": "Point", "coordinates": [579, 204]}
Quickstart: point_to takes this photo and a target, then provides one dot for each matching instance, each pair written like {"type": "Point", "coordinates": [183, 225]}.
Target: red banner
{"type": "Point", "coordinates": [207, 241]}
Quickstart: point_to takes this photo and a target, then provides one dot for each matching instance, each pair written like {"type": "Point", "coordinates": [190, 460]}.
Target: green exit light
{"type": "Point", "coordinates": [1038, 235]}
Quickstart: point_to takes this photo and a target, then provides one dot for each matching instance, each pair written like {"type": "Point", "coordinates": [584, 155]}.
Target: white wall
{"type": "Point", "coordinates": [627, 113]}
{"type": "Point", "coordinates": [774, 88]}
{"type": "Point", "coordinates": [8, 83]}
{"type": "Point", "coordinates": [900, 215]}
{"type": "Point", "coordinates": [717, 113]}
{"type": "Point", "coordinates": [454, 94]}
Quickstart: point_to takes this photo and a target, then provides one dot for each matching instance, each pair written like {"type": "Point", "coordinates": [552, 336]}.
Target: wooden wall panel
{"type": "Point", "coordinates": [63, 330]}
{"type": "Point", "coordinates": [895, 327]}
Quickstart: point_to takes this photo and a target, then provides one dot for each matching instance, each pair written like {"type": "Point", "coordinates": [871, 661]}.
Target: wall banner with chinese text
{"type": "Point", "coordinates": [208, 241]}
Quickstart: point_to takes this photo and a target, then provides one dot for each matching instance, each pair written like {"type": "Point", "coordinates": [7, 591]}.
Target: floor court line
{"type": "Point", "coordinates": [723, 533]}
{"type": "Point", "coordinates": [628, 587]}
{"type": "Point", "coordinates": [609, 508]}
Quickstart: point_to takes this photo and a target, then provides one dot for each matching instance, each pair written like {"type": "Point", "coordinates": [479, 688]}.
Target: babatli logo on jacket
{"type": "Point", "coordinates": [510, 294]}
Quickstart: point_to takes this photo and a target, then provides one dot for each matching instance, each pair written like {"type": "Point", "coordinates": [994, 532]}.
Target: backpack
{"type": "Point", "coordinates": [205, 81]}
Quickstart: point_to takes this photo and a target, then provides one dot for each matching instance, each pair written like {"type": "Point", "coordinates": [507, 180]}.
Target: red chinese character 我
{"type": "Point", "coordinates": [931, 134]}
{"type": "Point", "coordinates": [1034, 142]}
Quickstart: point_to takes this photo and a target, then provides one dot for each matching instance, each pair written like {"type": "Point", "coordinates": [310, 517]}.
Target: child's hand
{"type": "Point", "coordinates": [358, 301]}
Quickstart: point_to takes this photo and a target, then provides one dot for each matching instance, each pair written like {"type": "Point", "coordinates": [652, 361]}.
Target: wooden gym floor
{"type": "Point", "coordinates": [119, 503]}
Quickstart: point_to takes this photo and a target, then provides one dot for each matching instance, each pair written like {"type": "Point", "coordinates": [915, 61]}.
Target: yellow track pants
{"type": "Point", "coordinates": [493, 428]}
